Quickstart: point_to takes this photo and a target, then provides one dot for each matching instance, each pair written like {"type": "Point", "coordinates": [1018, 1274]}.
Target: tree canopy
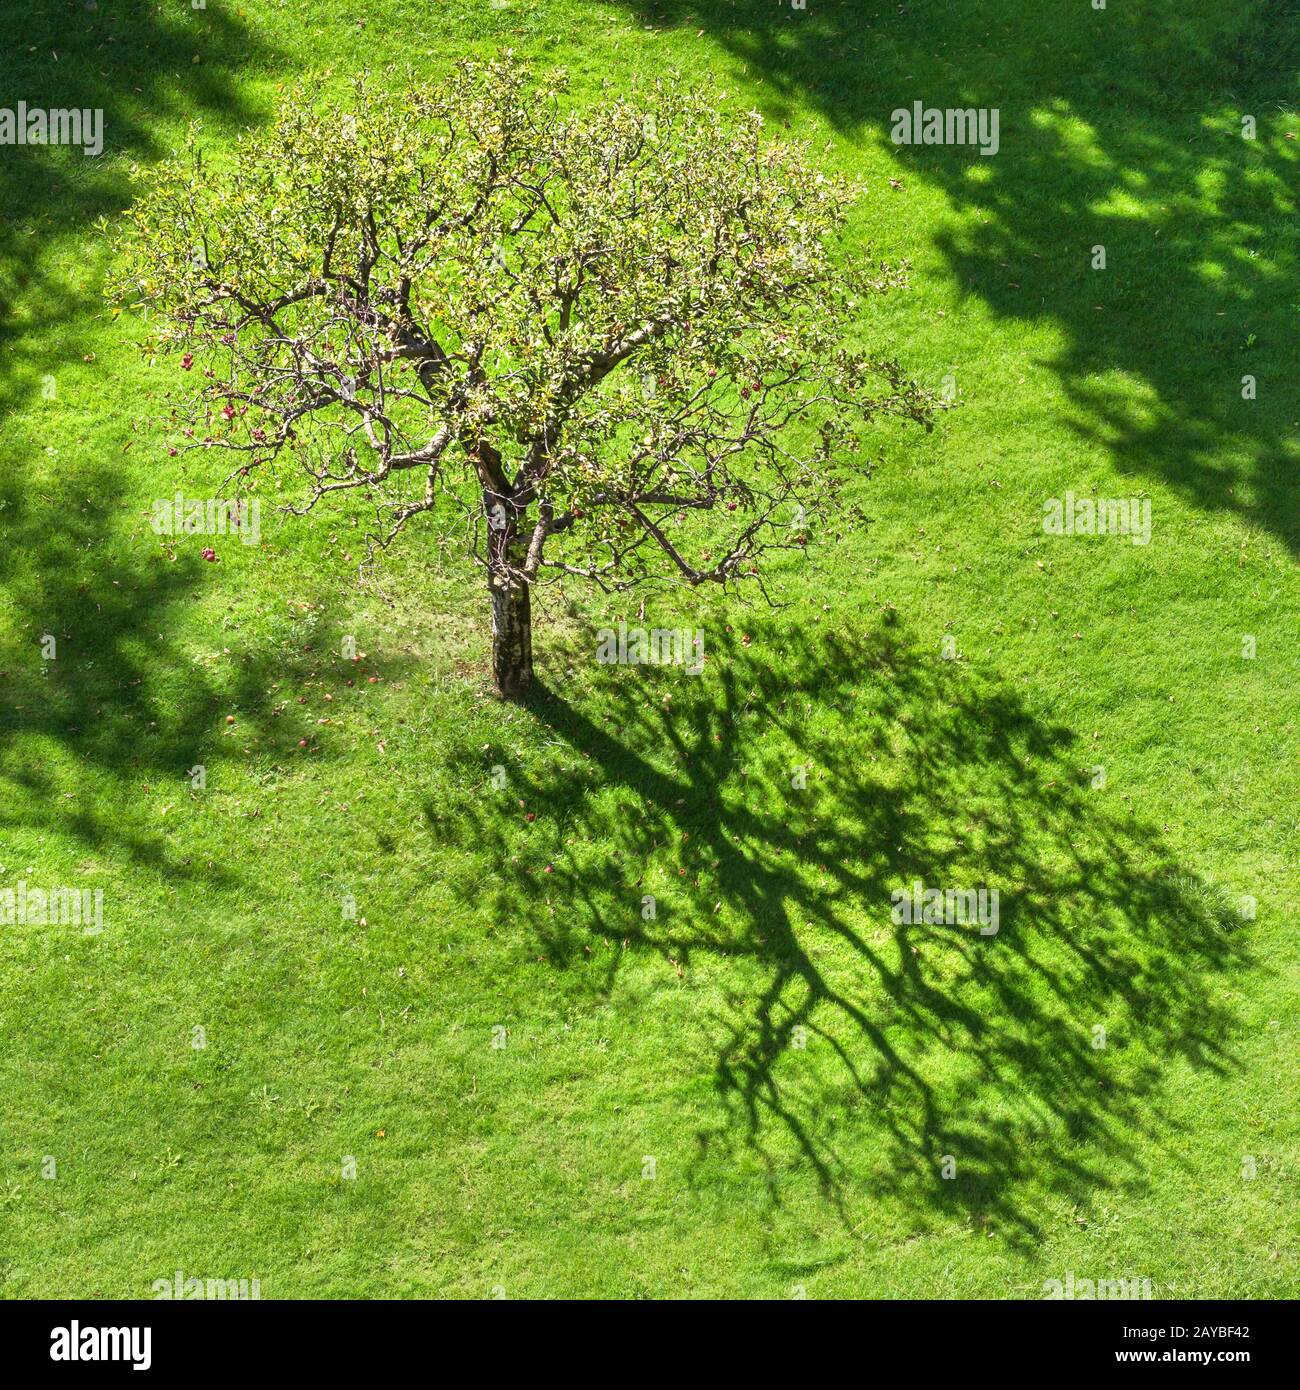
{"type": "Point", "coordinates": [616, 340]}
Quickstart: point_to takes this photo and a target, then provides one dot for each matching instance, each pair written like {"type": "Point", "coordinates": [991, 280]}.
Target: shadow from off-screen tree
{"type": "Point", "coordinates": [119, 680]}
{"type": "Point", "coordinates": [1120, 128]}
{"type": "Point", "coordinates": [145, 66]}
{"type": "Point", "coordinates": [771, 809]}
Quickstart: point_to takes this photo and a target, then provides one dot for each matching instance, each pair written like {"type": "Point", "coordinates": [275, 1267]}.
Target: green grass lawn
{"type": "Point", "coordinates": [498, 1039]}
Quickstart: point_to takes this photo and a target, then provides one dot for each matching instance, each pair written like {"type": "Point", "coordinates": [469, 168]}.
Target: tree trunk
{"type": "Point", "coordinates": [512, 636]}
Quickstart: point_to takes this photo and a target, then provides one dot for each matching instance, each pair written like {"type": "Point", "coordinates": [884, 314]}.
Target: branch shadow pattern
{"type": "Point", "coordinates": [837, 1032]}
{"type": "Point", "coordinates": [1117, 128]}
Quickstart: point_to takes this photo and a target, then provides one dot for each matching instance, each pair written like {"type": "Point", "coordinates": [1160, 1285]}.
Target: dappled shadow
{"type": "Point", "coordinates": [870, 1048]}
{"type": "Point", "coordinates": [131, 700]}
{"type": "Point", "coordinates": [142, 64]}
{"type": "Point", "coordinates": [1121, 128]}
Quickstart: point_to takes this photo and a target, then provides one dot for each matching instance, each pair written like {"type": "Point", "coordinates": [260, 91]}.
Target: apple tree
{"type": "Point", "coordinates": [613, 341]}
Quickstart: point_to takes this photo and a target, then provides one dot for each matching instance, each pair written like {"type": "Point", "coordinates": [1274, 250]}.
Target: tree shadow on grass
{"type": "Point", "coordinates": [142, 64]}
{"type": "Point", "coordinates": [125, 704]}
{"type": "Point", "coordinates": [865, 1049]}
{"type": "Point", "coordinates": [1120, 128]}
{"type": "Point", "coordinates": [130, 700]}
